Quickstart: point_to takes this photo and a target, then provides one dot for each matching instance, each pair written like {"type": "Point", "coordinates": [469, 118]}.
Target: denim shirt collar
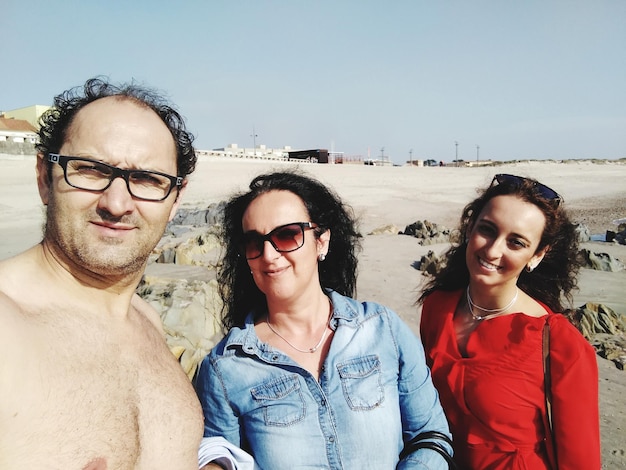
{"type": "Point", "coordinates": [344, 311]}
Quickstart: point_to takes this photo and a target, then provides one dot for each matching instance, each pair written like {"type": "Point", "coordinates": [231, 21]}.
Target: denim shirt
{"type": "Point", "coordinates": [374, 392]}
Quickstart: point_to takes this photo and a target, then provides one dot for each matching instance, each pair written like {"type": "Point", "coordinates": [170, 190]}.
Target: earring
{"type": "Point", "coordinates": [530, 268]}
{"type": "Point", "coordinates": [321, 257]}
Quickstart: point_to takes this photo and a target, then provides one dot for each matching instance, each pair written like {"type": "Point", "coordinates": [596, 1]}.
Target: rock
{"type": "Point", "coordinates": [604, 328]}
{"type": "Point", "coordinates": [611, 347]}
{"type": "Point", "coordinates": [201, 250]}
{"type": "Point", "coordinates": [180, 284]}
{"type": "Point", "coordinates": [600, 261]}
{"type": "Point", "coordinates": [198, 217]}
{"type": "Point", "coordinates": [189, 311]}
{"type": "Point", "coordinates": [584, 235]}
{"type": "Point", "coordinates": [384, 229]}
{"type": "Point", "coordinates": [427, 232]}
{"type": "Point", "coordinates": [430, 263]}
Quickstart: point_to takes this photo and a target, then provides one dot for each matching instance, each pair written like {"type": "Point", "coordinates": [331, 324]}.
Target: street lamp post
{"type": "Point", "coordinates": [411, 157]}
{"type": "Point", "coordinates": [254, 136]}
{"type": "Point", "coordinates": [456, 154]}
{"type": "Point", "coordinates": [477, 153]}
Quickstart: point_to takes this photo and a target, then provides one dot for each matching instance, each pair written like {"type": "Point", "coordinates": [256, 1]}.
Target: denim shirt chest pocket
{"type": "Point", "coordinates": [361, 382]}
{"type": "Point", "coordinates": [280, 401]}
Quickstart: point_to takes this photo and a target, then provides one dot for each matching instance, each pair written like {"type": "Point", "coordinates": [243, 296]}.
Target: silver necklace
{"type": "Point", "coordinates": [492, 312]}
{"type": "Point", "coordinates": [310, 350]}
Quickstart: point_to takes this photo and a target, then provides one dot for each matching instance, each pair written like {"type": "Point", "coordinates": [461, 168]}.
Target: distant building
{"type": "Point", "coordinates": [30, 114]}
{"type": "Point", "coordinates": [17, 137]}
{"type": "Point", "coordinates": [286, 154]}
{"type": "Point", "coordinates": [18, 129]}
{"type": "Point", "coordinates": [312, 156]}
{"type": "Point", "coordinates": [261, 152]}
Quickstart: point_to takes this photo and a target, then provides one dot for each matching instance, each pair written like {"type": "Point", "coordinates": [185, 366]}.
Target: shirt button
{"type": "Point", "coordinates": [331, 439]}
{"type": "Point", "coordinates": [322, 402]}
{"type": "Point", "coordinates": [275, 357]}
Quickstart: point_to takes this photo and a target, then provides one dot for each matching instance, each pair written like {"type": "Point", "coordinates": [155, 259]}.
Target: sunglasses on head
{"type": "Point", "coordinates": [284, 238]}
{"type": "Point", "coordinates": [543, 190]}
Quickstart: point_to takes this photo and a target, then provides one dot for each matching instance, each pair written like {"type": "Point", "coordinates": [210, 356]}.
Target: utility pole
{"type": "Point", "coordinates": [254, 136]}
{"type": "Point", "coordinates": [456, 154]}
{"type": "Point", "coordinates": [382, 156]}
{"type": "Point", "coordinates": [411, 157]}
{"type": "Point", "coordinates": [477, 153]}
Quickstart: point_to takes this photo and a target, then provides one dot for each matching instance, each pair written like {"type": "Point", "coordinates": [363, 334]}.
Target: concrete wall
{"type": "Point", "coordinates": [17, 148]}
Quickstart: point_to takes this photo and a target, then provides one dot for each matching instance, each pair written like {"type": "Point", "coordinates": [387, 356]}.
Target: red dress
{"type": "Point", "coordinates": [494, 396]}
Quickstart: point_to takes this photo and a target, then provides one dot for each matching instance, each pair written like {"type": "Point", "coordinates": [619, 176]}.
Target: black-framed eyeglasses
{"type": "Point", "coordinates": [543, 190]}
{"type": "Point", "coordinates": [92, 175]}
{"type": "Point", "coordinates": [284, 238]}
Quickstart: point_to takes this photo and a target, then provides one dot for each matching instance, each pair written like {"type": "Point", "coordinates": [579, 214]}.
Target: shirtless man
{"type": "Point", "coordinates": [87, 381]}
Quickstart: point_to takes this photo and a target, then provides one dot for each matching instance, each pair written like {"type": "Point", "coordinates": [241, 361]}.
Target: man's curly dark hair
{"type": "Point", "coordinates": [56, 122]}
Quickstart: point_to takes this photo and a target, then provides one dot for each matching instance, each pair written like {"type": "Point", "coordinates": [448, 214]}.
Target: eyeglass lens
{"type": "Point", "coordinates": [284, 239]}
{"type": "Point", "coordinates": [91, 175]}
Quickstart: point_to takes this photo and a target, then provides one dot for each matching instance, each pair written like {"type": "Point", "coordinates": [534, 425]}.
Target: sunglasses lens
{"type": "Point", "coordinates": [252, 245]}
{"type": "Point", "coordinates": [547, 192]}
{"type": "Point", "coordinates": [543, 190]}
{"type": "Point", "coordinates": [287, 238]}
{"type": "Point", "coordinates": [283, 239]}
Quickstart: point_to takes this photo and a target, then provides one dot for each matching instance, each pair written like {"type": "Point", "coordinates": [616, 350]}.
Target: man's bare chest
{"type": "Point", "coordinates": [80, 396]}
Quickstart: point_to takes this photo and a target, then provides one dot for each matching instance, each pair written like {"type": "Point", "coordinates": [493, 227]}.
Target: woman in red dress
{"type": "Point", "coordinates": [482, 320]}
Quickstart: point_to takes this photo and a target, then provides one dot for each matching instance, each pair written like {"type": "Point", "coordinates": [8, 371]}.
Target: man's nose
{"type": "Point", "coordinates": [116, 199]}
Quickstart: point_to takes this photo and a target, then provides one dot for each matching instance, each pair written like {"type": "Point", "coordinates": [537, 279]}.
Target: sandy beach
{"type": "Point", "coordinates": [594, 194]}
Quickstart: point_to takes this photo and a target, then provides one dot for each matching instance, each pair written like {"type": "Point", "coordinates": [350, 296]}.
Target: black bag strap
{"type": "Point", "coordinates": [421, 442]}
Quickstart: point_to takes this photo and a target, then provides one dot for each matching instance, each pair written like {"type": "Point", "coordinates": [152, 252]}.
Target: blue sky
{"type": "Point", "coordinates": [520, 79]}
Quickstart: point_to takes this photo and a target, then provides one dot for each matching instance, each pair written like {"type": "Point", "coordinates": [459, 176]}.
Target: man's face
{"type": "Point", "coordinates": [109, 233]}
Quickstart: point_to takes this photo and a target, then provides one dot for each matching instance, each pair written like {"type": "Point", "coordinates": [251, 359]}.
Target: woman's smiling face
{"type": "Point", "coordinates": [283, 276]}
{"type": "Point", "coordinates": [504, 240]}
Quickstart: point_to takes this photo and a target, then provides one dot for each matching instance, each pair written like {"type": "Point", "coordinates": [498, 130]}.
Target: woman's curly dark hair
{"type": "Point", "coordinates": [338, 271]}
{"type": "Point", "coordinates": [550, 282]}
{"type": "Point", "coordinates": [56, 122]}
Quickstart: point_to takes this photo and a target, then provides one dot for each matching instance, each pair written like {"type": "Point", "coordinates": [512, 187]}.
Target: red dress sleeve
{"type": "Point", "coordinates": [574, 376]}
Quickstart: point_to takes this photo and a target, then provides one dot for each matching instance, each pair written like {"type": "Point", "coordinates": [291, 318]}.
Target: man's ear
{"type": "Point", "coordinates": [179, 196]}
{"type": "Point", "coordinates": [43, 178]}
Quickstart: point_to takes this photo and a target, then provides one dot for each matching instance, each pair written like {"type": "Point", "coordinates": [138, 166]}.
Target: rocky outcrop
{"type": "Point", "coordinates": [188, 309]}
{"type": "Point", "coordinates": [584, 235]}
{"type": "Point", "coordinates": [427, 233]}
{"type": "Point", "coordinates": [193, 217]}
{"type": "Point", "coordinates": [430, 263]}
{"type": "Point", "coordinates": [384, 229]}
{"type": "Point", "coordinates": [599, 261]}
{"type": "Point", "coordinates": [604, 328]}
{"type": "Point", "coordinates": [180, 284]}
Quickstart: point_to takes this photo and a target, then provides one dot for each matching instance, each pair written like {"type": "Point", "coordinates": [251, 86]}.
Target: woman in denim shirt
{"type": "Point", "coordinates": [307, 377]}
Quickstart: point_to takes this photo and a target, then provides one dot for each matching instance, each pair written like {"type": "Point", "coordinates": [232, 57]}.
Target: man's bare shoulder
{"type": "Point", "coordinates": [16, 271]}
{"type": "Point", "coordinates": [146, 310]}
{"type": "Point", "coordinates": [14, 284]}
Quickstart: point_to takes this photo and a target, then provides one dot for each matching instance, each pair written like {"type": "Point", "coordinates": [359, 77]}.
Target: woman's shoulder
{"type": "Point", "coordinates": [565, 339]}
{"type": "Point", "coordinates": [357, 312]}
